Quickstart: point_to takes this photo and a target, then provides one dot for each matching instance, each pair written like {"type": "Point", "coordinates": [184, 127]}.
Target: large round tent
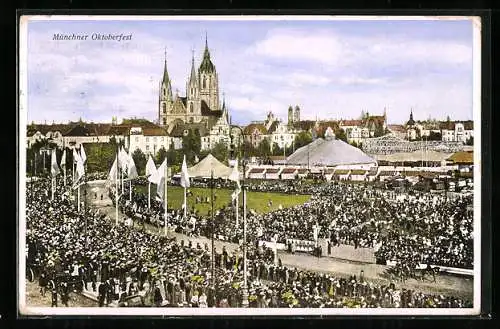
{"type": "Point", "coordinates": [329, 152]}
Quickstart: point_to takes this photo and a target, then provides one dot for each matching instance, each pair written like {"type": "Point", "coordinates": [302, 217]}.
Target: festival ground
{"type": "Point", "coordinates": [258, 201]}
{"type": "Point", "coordinates": [445, 284]}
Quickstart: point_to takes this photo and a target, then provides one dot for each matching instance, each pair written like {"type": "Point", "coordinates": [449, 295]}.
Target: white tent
{"type": "Point", "coordinates": [204, 168]}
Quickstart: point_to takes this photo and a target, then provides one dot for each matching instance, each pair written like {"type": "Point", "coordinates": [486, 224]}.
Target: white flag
{"type": "Point", "coordinates": [75, 156]}
{"type": "Point", "coordinates": [80, 169]}
{"type": "Point", "coordinates": [82, 153]}
{"type": "Point", "coordinates": [123, 159]}
{"type": "Point", "coordinates": [54, 168]}
{"type": "Point", "coordinates": [63, 159]}
{"type": "Point", "coordinates": [151, 171]}
{"type": "Point", "coordinates": [132, 170]}
{"type": "Point", "coordinates": [235, 177]}
{"type": "Point", "coordinates": [160, 190]}
{"type": "Point", "coordinates": [112, 172]}
{"type": "Point", "coordinates": [184, 174]}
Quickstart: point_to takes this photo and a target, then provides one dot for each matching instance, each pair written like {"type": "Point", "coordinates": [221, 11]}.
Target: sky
{"type": "Point", "coordinates": [331, 69]}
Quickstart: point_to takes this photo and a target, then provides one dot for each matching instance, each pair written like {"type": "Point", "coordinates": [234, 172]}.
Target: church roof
{"type": "Point", "coordinates": [273, 127]}
{"type": "Point", "coordinates": [166, 78]}
{"type": "Point", "coordinates": [154, 131]}
{"type": "Point", "coordinates": [206, 111]}
{"type": "Point", "coordinates": [206, 65]}
{"type": "Point", "coordinates": [251, 127]}
{"type": "Point", "coordinates": [304, 125]}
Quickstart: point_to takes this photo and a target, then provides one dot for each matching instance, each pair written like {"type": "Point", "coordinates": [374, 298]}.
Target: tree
{"type": "Point", "coordinates": [100, 157]}
{"type": "Point", "coordinates": [196, 141]}
{"type": "Point", "coordinates": [174, 157]}
{"type": "Point", "coordinates": [160, 155]}
{"type": "Point", "coordinates": [277, 150]}
{"type": "Point", "coordinates": [220, 152]}
{"type": "Point", "coordinates": [140, 161]}
{"type": "Point", "coordinates": [435, 136]}
{"type": "Point", "coordinates": [379, 130]}
{"type": "Point", "coordinates": [248, 150]}
{"type": "Point", "coordinates": [340, 134]}
{"type": "Point", "coordinates": [302, 138]}
{"type": "Point", "coordinates": [191, 144]}
{"type": "Point", "coordinates": [264, 148]}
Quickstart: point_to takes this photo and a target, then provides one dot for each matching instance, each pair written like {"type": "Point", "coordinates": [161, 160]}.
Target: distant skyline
{"type": "Point", "coordinates": [330, 69]}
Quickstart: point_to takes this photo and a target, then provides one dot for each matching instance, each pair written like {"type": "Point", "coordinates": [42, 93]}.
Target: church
{"type": "Point", "coordinates": [201, 101]}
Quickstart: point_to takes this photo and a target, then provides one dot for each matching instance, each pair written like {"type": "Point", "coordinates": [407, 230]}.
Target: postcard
{"type": "Point", "coordinates": [249, 165]}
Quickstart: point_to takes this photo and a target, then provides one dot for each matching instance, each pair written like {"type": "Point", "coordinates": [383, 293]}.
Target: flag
{"type": "Point", "coordinates": [63, 159]}
{"type": "Point", "coordinates": [151, 171]}
{"type": "Point", "coordinates": [160, 181]}
{"type": "Point", "coordinates": [132, 170]}
{"type": "Point", "coordinates": [123, 160]}
{"type": "Point", "coordinates": [82, 153]}
{"type": "Point", "coordinates": [80, 169]}
{"type": "Point", "coordinates": [235, 177]}
{"type": "Point", "coordinates": [75, 156]}
{"type": "Point", "coordinates": [54, 168]}
{"type": "Point", "coordinates": [184, 174]}
{"type": "Point", "coordinates": [112, 172]}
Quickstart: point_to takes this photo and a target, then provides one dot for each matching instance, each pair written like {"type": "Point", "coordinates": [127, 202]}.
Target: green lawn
{"type": "Point", "coordinates": [257, 201]}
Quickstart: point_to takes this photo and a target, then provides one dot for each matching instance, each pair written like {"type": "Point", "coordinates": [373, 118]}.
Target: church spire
{"type": "Point", "coordinates": [166, 78]}
{"type": "Point", "coordinates": [206, 64]}
{"type": "Point", "coordinates": [193, 71]}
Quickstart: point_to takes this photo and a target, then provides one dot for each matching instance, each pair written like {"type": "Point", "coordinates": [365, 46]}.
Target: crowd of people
{"type": "Point", "coordinates": [121, 262]}
{"type": "Point", "coordinates": [407, 227]}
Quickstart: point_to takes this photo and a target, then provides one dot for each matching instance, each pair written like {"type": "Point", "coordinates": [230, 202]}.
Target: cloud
{"type": "Point", "coordinates": [326, 72]}
{"type": "Point", "coordinates": [300, 45]}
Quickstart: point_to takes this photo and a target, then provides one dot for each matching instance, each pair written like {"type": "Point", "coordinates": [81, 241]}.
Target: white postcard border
{"type": "Point", "coordinates": [25, 310]}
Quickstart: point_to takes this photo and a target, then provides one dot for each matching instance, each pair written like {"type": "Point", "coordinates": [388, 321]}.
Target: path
{"type": "Point", "coordinates": [445, 284]}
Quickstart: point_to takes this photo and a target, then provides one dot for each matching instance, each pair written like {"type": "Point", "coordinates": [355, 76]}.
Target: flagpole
{"type": "Point", "coordinates": [53, 177]}
{"type": "Point", "coordinates": [185, 202]}
{"type": "Point", "coordinates": [237, 210]}
{"type": "Point", "coordinates": [149, 195]}
{"type": "Point", "coordinates": [78, 197]}
{"type": "Point", "coordinates": [165, 224]}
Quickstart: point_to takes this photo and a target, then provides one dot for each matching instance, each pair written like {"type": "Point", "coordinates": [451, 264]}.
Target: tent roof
{"type": "Point", "coordinates": [204, 168]}
{"type": "Point", "coordinates": [329, 152]}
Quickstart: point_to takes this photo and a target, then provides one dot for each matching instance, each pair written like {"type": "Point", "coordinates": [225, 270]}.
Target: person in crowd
{"type": "Point", "coordinates": [119, 252]}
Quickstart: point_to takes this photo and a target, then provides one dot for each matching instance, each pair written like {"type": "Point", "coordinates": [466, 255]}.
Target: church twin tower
{"type": "Point", "coordinates": [202, 95]}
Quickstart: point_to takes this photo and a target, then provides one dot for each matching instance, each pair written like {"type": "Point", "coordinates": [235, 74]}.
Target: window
{"type": "Point", "coordinates": [147, 148]}
{"type": "Point", "coordinates": [191, 120]}
{"type": "Point", "coordinates": [137, 139]}
{"type": "Point", "coordinates": [164, 107]}
{"type": "Point", "coordinates": [147, 139]}
{"type": "Point", "coordinates": [204, 86]}
{"type": "Point", "coordinates": [161, 138]}
{"type": "Point", "coordinates": [164, 121]}
{"type": "Point", "coordinates": [191, 107]}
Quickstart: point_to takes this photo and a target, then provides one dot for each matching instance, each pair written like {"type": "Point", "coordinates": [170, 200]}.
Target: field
{"type": "Point", "coordinates": [257, 201]}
